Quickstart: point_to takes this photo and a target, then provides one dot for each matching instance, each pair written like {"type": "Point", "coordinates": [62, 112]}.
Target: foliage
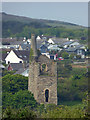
{"type": "Point", "coordinates": [31, 55]}
{"type": "Point", "coordinates": [15, 93]}
{"type": "Point", "coordinates": [20, 99]}
{"type": "Point", "coordinates": [18, 114]}
{"type": "Point", "coordinates": [64, 68]}
{"type": "Point", "coordinates": [63, 112]}
{"type": "Point", "coordinates": [20, 103]}
{"type": "Point", "coordinates": [78, 56]}
{"type": "Point", "coordinates": [73, 86]}
{"type": "Point", "coordinates": [72, 56]}
{"type": "Point", "coordinates": [65, 55]}
{"type": "Point", "coordinates": [5, 72]}
{"type": "Point", "coordinates": [14, 83]}
{"type": "Point", "coordinates": [23, 29]}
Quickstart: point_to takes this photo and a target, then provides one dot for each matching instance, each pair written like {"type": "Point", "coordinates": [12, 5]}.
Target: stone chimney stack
{"type": "Point", "coordinates": [34, 45]}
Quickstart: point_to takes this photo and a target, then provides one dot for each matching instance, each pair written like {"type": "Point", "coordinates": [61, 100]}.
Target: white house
{"type": "Point", "coordinates": [38, 38]}
{"type": "Point", "coordinates": [12, 58]}
{"type": "Point", "coordinates": [51, 41]}
{"type": "Point", "coordinates": [18, 56]}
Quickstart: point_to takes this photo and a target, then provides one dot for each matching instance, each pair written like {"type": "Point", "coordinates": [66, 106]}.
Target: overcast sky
{"type": "Point", "coordinates": [73, 12]}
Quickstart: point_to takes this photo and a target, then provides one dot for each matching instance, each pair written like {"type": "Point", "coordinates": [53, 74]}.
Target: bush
{"type": "Point", "coordinates": [20, 99]}
{"type": "Point", "coordinates": [17, 114]}
{"type": "Point", "coordinates": [14, 83]}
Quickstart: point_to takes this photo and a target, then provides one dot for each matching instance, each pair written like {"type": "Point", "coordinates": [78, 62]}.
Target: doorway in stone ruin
{"type": "Point", "coordinates": [46, 95]}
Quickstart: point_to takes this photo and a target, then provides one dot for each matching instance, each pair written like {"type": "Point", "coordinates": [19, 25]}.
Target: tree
{"type": "Point", "coordinates": [72, 56]}
{"type": "Point", "coordinates": [14, 83]}
{"type": "Point", "coordinates": [20, 99]}
{"type": "Point", "coordinates": [65, 55]}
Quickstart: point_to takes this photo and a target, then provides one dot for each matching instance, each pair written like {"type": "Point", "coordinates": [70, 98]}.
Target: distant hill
{"type": "Point", "coordinates": [20, 26]}
{"type": "Point", "coordinates": [27, 20]}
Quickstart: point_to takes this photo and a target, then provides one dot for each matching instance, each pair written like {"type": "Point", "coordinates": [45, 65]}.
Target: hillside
{"type": "Point", "coordinates": [20, 26]}
{"type": "Point", "coordinates": [27, 20]}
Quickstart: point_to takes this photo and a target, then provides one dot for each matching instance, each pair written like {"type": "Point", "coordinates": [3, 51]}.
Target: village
{"type": "Point", "coordinates": [15, 52]}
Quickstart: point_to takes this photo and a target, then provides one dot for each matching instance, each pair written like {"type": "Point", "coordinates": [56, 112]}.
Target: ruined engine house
{"type": "Point", "coordinates": [42, 80]}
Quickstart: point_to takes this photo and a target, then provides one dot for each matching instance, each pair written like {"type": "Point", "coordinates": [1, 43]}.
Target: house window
{"type": "Point", "coordinates": [46, 95]}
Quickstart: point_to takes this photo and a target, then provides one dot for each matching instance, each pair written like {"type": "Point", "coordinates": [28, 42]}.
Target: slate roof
{"type": "Point", "coordinates": [3, 56]}
{"type": "Point", "coordinates": [39, 43]}
{"type": "Point", "coordinates": [16, 42]}
{"type": "Point", "coordinates": [59, 40]}
{"type": "Point", "coordinates": [3, 53]}
{"type": "Point", "coordinates": [72, 49]}
{"type": "Point", "coordinates": [2, 66]}
{"type": "Point", "coordinates": [67, 43]}
{"type": "Point", "coordinates": [20, 71]}
{"type": "Point", "coordinates": [26, 46]}
{"type": "Point", "coordinates": [23, 54]}
{"type": "Point", "coordinates": [16, 66]}
{"type": "Point", "coordinates": [43, 46]}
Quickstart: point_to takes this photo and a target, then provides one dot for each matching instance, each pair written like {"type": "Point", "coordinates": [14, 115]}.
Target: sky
{"type": "Point", "coordinates": [72, 12]}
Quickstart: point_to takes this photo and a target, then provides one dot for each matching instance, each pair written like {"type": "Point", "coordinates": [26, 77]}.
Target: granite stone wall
{"type": "Point", "coordinates": [38, 82]}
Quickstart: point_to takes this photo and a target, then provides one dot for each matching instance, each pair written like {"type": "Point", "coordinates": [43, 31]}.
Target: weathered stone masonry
{"type": "Point", "coordinates": [42, 77]}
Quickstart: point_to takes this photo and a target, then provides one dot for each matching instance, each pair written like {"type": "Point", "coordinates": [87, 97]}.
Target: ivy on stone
{"type": "Point", "coordinates": [31, 55]}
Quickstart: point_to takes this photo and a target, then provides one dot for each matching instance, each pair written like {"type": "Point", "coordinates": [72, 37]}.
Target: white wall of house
{"type": "Point", "coordinates": [38, 38]}
{"type": "Point", "coordinates": [12, 58]}
{"type": "Point", "coordinates": [51, 41]}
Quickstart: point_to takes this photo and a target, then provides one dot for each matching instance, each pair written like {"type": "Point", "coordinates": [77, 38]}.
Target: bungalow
{"type": "Point", "coordinates": [17, 56]}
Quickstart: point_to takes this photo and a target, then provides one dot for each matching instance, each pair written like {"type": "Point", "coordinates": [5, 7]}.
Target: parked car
{"type": "Point", "coordinates": [60, 58]}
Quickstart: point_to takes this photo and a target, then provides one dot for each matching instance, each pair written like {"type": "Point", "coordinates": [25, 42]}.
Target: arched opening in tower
{"type": "Point", "coordinates": [46, 95]}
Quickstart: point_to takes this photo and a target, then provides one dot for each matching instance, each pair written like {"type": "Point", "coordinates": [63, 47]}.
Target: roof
{"type": "Point", "coordinates": [2, 66]}
{"type": "Point", "coordinates": [16, 66]}
{"type": "Point", "coordinates": [43, 46]}
{"type": "Point", "coordinates": [72, 49]}
{"type": "Point", "coordinates": [21, 71]}
{"type": "Point", "coordinates": [59, 40]}
{"type": "Point", "coordinates": [53, 47]}
{"type": "Point", "coordinates": [3, 56]}
{"type": "Point", "coordinates": [22, 54]}
{"type": "Point", "coordinates": [25, 46]}
{"type": "Point", "coordinates": [39, 43]}
{"type": "Point", "coordinates": [67, 43]}
{"type": "Point", "coordinates": [75, 43]}
{"type": "Point", "coordinates": [16, 42]}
